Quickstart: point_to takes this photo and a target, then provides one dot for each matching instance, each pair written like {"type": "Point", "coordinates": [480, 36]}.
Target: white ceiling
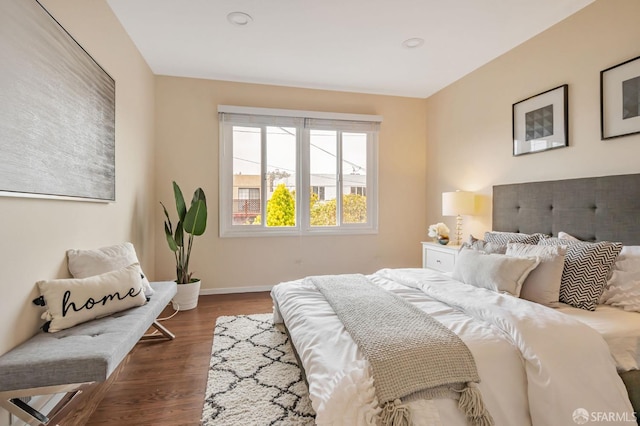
{"type": "Point", "coordinates": [348, 45]}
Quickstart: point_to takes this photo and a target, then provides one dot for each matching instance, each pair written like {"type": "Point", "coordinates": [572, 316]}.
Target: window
{"type": "Point", "coordinates": [272, 160]}
{"type": "Point", "coordinates": [360, 190]}
{"type": "Point", "coordinates": [318, 191]}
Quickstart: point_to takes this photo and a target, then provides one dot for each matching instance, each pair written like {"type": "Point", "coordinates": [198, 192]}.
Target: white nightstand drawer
{"type": "Point", "coordinates": [438, 257]}
{"type": "Point", "coordinates": [440, 261]}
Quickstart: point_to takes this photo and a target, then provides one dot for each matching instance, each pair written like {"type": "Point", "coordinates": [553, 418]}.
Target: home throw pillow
{"type": "Point", "coordinates": [496, 272]}
{"type": "Point", "coordinates": [73, 301]}
{"type": "Point", "coordinates": [543, 283]}
{"type": "Point", "coordinates": [586, 268]}
{"type": "Point", "coordinates": [86, 263]}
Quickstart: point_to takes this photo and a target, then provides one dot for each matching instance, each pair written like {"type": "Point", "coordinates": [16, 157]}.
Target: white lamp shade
{"type": "Point", "coordinates": [458, 203]}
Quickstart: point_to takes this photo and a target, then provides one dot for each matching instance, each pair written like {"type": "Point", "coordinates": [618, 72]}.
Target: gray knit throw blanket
{"type": "Point", "coordinates": [411, 354]}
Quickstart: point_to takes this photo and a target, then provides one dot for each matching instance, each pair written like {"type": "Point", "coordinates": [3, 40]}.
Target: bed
{"type": "Point", "coordinates": [538, 364]}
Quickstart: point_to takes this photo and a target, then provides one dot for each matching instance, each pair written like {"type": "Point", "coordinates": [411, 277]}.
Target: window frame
{"type": "Point", "coordinates": [304, 124]}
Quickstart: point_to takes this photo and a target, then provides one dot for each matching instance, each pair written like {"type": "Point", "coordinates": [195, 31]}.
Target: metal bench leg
{"type": "Point", "coordinates": [166, 334]}
{"type": "Point", "coordinates": [10, 401]}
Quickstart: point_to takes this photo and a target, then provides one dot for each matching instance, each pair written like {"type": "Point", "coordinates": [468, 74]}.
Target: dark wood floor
{"type": "Point", "coordinates": [163, 382]}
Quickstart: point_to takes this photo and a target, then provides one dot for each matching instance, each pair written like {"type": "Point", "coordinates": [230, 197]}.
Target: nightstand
{"type": "Point", "coordinates": [438, 257]}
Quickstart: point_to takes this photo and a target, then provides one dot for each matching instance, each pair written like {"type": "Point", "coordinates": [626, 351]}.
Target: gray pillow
{"type": "Point", "coordinates": [481, 245]}
{"type": "Point", "coordinates": [496, 272]}
{"type": "Point", "coordinates": [543, 283]}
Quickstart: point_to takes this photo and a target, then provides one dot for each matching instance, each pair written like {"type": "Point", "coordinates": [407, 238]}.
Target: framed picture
{"type": "Point", "coordinates": [620, 99]}
{"type": "Point", "coordinates": [541, 122]}
{"type": "Point", "coordinates": [57, 111]}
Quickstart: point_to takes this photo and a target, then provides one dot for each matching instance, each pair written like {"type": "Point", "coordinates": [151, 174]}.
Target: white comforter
{"type": "Point", "coordinates": [537, 366]}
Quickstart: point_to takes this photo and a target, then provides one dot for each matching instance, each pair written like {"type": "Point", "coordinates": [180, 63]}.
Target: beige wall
{"type": "Point", "coordinates": [468, 146]}
{"type": "Point", "coordinates": [36, 233]}
{"type": "Point", "coordinates": [187, 134]}
{"type": "Point", "coordinates": [469, 123]}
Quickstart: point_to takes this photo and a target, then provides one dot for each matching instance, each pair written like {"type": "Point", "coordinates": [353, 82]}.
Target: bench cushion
{"type": "Point", "coordinates": [88, 352]}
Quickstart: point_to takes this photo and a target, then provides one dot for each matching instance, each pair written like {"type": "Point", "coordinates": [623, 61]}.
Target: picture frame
{"type": "Point", "coordinates": [541, 122]}
{"type": "Point", "coordinates": [620, 100]}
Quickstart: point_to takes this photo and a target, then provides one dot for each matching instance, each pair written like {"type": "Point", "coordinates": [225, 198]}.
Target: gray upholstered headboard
{"type": "Point", "coordinates": [592, 209]}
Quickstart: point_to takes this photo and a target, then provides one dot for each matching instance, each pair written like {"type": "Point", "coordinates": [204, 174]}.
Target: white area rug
{"type": "Point", "coordinates": [254, 379]}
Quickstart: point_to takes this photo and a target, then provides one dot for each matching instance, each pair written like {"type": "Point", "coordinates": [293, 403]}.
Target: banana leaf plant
{"type": "Point", "coordinates": [192, 222]}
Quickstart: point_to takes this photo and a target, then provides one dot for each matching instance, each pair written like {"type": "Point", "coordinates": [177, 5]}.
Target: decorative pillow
{"type": "Point", "coordinates": [586, 268]}
{"type": "Point", "coordinates": [73, 301]}
{"type": "Point", "coordinates": [564, 236]}
{"type": "Point", "coordinates": [631, 252]}
{"type": "Point", "coordinates": [481, 245]}
{"type": "Point", "coordinates": [543, 283]}
{"type": "Point", "coordinates": [496, 272]}
{"type": "Point", "coordinates": [87, 263]}
{"type": "Point", "coordinates": [623, 288]}
{"type": "Point", "coordinates": [628, 259]}
{"type": "Point", "coordinates": [503, 238]}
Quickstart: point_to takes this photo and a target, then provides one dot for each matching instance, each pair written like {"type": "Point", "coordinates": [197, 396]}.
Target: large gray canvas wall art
{"type": "Point", "coordinates": [57, 110]}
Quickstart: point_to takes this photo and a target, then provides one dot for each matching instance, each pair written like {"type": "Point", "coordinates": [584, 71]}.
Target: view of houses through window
{"type": "Point", "coordinates": [281, 178]}
{"type": "Point", "coordinates": [269, 163]}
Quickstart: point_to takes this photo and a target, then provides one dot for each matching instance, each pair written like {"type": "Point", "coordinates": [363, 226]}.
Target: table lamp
{"type": "Point", "coordinates": [458, 203]}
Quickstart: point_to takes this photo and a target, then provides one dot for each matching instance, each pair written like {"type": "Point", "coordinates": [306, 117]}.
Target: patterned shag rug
{"type": "Point", "coordinates": [254, 379]}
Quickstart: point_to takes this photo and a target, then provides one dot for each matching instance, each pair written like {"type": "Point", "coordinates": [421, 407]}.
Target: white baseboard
{"type": "Point", "coordinates": [229, 290]}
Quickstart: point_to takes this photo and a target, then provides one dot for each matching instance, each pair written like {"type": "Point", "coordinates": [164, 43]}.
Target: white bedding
{"type": "Point", "coordinates": [619, 328]}
{"type": "Point", "coordinates": [537, 365]}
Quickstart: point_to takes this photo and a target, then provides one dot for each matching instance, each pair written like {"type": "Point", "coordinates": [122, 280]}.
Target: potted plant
{"type": "Point", "coordinates": [192, 222]}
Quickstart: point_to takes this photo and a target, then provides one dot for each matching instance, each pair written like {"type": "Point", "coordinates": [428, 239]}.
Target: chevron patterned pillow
{"type": "Point", "coordinates": [586, 268]}
{"type": "Point", "coordinates": [503, 238]}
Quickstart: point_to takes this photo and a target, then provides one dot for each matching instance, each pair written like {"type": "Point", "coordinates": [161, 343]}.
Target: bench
{"type": "Point", "coordinates": [62, 362]}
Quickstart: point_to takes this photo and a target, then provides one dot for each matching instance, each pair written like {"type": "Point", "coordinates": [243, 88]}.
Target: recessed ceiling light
{"type": "Point", "coordinates": [412, 43]}
{"type": "Point", "coordinates": [239, 19]}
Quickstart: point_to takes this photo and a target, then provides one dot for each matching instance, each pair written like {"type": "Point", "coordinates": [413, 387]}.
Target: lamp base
{"type": "Point", "coordinates": [458, 230]}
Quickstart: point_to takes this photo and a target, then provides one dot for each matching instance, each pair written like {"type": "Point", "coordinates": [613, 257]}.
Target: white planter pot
{"type": "Point", "coordinates": [187, 296]}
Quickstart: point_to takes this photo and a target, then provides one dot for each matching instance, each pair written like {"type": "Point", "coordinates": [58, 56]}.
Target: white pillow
{"type": "Point", "coordinates": [632, 253]}
{"type": "Point", "coordinates": [496, 272]}
{"type": "Point", "coordinates": [87, 263]}
{"type": "Point", "coordinates": [623, 287]}
{"type": "Point", "coordinates": [543, 283]}
{"type": "Point", "coordinates": [623, 291]}
{"type": "Point", "coordinates": [565, 236]}
{"type": "Point", "coordinates": [73, 301]}
{"type": "Point", "coordinates": [628, 259]}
